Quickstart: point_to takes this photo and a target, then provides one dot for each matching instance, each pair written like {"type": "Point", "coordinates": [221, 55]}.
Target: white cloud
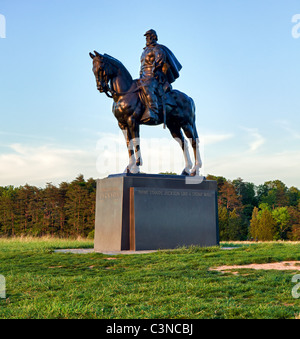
{"type": "Point", "coordinates": [286, 125]}
{"type": "Point", "coordinates": [258, 168]}
{"type": "Point", "coordinates": [257, 140]}
{"type": "Point", "coordinates": [42, 164]}
{"type": "Point", "coordinates": [210, 139]}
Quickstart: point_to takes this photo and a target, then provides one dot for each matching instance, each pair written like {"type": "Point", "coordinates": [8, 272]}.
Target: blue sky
{"type": "Point", "coordinates": [240, 65]}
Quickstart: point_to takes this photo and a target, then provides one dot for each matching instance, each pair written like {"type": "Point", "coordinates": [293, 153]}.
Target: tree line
{"type": "Point", "coordinates": [64, 211]}
{"type": "Point", "coordinates": [270, 211]}
{"type": "Point", "coordinates": [266, 212]}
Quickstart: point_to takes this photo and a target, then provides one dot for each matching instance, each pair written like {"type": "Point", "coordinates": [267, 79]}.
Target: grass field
{"type": "Point", "coordinates": [178, 284]}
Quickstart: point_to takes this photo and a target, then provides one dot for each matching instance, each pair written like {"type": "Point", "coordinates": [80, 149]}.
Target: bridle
{"type": "Point", "coordinates": [104, 79]}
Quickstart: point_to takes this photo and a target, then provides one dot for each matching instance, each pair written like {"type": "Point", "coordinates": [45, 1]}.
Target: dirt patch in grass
{"type": "Point", "coordinates": [280, 266]}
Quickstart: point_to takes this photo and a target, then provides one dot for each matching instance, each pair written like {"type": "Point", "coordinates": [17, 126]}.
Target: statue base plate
{"type": "Point", "coordinates": [150, 212]}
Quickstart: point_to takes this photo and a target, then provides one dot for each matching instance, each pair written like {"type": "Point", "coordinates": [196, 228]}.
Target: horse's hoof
{"type": "Point", "coordinates": [184, 172]}
{"type": "Point", "coordinates": [193, 174]}
{"type": "Point", "coordinates": [134, 170]}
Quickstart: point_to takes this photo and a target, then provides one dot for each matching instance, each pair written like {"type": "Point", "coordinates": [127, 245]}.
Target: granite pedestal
{"type": "Point", "coordinates": [150, 212]}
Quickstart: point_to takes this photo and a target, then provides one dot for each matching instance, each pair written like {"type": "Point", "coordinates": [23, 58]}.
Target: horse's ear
{"type": "Point", "coordinates": [98, 55]}
{"type": "Point", "coordinates": [92, 55]}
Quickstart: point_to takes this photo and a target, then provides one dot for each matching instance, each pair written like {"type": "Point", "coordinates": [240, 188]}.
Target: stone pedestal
{"type": "Point", "coordinates": [150, 212]}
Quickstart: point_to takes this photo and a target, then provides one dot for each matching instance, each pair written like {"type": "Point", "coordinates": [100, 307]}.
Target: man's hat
{"type": "Point", "coordinates": [150, 32]}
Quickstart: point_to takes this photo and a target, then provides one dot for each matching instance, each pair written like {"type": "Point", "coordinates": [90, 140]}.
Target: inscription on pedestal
{"type": "Point", "coordinates": [175, 193]}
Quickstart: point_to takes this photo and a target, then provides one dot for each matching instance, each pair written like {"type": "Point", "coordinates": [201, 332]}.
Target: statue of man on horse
{"type": "Point", "coordinates": [149, 100]}
{"type": "Point", "coordinates": [159, 68]}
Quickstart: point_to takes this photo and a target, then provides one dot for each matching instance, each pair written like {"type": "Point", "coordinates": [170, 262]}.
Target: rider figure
{"type": "Point", "coordinates": [159, 67]}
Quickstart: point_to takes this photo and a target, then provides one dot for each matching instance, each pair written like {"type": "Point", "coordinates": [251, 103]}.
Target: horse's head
{"type": "Point", "coordinates": [111, 75]}
{"type": "Point", "coordinates": [103, 71]}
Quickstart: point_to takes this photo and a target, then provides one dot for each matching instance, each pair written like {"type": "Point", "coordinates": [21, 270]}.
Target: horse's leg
{"type": "Point", "coordinates": [178, 136]}
{"type": "Point", "coordinates": [191, 133]}
{"type": "Point", "coordinates": [128, 139]}
{"type": "Point", "coordinates": [196, 147]}
{"type": "Point", "coordinates": [134, 126]}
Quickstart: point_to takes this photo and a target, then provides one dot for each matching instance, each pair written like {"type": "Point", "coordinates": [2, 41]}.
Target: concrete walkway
{"type": "Point", "coordinates": [91, 250]}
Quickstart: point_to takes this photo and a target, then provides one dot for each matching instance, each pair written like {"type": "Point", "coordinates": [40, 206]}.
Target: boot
{"type": "Point", "coordinates": [149, 117]}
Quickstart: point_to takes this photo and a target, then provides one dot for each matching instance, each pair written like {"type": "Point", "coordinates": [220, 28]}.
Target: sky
{"type": "Point", "coordinates": [240, 63]}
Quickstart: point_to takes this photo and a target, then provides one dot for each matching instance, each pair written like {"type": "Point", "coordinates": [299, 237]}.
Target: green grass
{"type": "Point", "coordinates": [163, 285]}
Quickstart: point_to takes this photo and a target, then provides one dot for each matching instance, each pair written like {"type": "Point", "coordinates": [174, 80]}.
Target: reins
{"type": "Point", "coordinates": [115, 93]}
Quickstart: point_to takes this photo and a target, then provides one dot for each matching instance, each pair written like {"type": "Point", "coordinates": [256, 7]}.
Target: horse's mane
{"type": "Point", "coordinates": [118, 64]}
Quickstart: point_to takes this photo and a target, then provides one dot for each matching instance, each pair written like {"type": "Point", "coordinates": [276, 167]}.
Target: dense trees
{"type": "Point", "coordinates": [67, 210]}
{"type": "Point", "coordinates": [270, 211]}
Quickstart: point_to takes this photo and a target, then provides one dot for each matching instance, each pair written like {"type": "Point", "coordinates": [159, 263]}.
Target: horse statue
{"type": "Point", "coordinates": [115, 81]}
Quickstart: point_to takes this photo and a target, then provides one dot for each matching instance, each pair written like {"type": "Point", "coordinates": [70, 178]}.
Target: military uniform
{"type": "Point", "coordinates": [159, 67]}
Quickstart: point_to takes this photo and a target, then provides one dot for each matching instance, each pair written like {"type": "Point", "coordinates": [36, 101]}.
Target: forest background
{"type": "Point", "coordinates": [270, 211]}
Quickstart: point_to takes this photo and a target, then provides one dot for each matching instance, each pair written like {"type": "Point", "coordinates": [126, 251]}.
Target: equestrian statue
{"type": "Point", "coordinates": [149, 100]}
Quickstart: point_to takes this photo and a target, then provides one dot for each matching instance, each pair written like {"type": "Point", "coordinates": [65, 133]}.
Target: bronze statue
{"type": "Point", "coordinates": [159, 68]}
{"type": "Point", "coordinates": [149, 100]}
